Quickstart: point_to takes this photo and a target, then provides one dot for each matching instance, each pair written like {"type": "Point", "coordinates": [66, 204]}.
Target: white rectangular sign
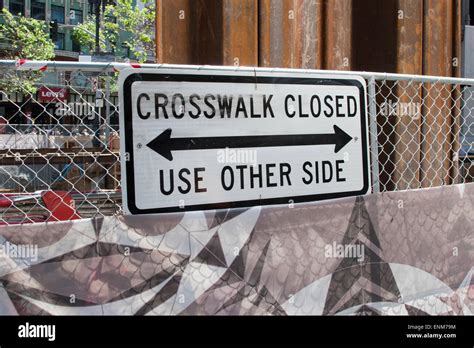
{"type": "Point", "coordinates": [207, 139]}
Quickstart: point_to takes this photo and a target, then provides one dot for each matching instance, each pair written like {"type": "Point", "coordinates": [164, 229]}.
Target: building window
{"type": "Point", "coordinates": [17, 7]}
{"type": "Point", "coordinates": [76, 17]}
{"type": "Point", "coordinates": [38, 10]}
{"type": "Point", "coordinates": [59, 43]}
{"type": "Point", "coordinates": [57, 14]}
{"type": "Point", "coordinates": [91, 7]}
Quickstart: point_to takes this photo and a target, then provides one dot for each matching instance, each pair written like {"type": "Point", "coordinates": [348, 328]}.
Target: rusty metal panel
{"type": "Point", "coordinates": [410, 36]}
{"type": "Point", "coordinates": [457, 32]}
{"type": "Point", "coordinates": [309, 34]}
{"type": "Point", "coordinates": [220, 32]}
{"type": "Point", "coordinates": [206, 37]}
{"type": "Point", "coordinates": [291, 33]}
{"type": "Point", "coordinates": [457, 106]}
{"type": "Point", "coordinates": [240, 32]}
{"type": "Point", "coordinates": [405, 36]}
{"type": "Point", "coordinates": [173, 29]}
{"type": "Point", "coordinates": [407, 135]}
{"type": "Point", "coordinates": [189, 31]}
{"type": "Point", "coordinates": [275, 29]}
{"type": "Point", "coordinates": [437, 60]}
{"type": "Point", "coordinates": [374, 35]}
{"type": "Point", "coordinates": [438, 37]}
{"type": "Point", "coordinates": [338, 31]}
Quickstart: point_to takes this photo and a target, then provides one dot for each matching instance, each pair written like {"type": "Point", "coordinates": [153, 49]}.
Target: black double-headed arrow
{"type": "Point", "coordinates": [164, 144]}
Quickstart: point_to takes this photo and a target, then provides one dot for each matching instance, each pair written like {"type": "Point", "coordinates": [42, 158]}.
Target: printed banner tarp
{"type": "Point", "coordinates": [394, 253]}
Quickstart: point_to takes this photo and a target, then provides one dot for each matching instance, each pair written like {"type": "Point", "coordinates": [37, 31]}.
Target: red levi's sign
{"type": "Point", "coordinates": [52, 94]}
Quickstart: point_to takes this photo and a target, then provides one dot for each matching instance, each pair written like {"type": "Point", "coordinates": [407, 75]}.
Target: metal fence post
{"type": "Point", "coordinates": [374, 144]}
{"type": "Point", "coordinates": [107, 111]}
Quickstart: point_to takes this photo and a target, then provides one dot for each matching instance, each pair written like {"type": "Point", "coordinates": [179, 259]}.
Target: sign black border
{"type": "Point", "coordinates": [165, 76]}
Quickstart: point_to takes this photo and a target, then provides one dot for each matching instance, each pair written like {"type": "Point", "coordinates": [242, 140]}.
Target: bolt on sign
{"type": "Point", "coordinates": [196, 139]}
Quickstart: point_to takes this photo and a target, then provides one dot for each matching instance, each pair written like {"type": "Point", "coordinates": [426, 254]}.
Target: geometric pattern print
{"type": "Point", "coordinates": [393, 253]}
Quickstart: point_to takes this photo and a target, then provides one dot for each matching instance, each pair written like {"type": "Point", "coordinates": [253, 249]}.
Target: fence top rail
{"type": "Point", "coordinates": [115, 66]}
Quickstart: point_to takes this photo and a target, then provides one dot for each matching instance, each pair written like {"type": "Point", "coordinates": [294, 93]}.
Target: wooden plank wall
{"type": "Point", "coordinates": [404, 36]}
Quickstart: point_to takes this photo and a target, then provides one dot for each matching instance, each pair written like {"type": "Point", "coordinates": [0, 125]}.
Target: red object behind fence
{"type": "Point", "coordinates": [61, 205]}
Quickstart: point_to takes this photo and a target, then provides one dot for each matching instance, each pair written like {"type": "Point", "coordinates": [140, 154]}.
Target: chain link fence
{"type": "Point", "coordinates": [424, 131]}
{"type": "Point", "coordinates": [61, 138]}
{"type": "Point", "coordinates": [59, 141]}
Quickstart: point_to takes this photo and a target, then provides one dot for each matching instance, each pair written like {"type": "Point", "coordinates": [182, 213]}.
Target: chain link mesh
{"type": "Point", "coordinates": [59, 144]}
{"type": "Point", "coordinates": [425, 134]}
{"type": "Point", "coordinates": [62, 139]}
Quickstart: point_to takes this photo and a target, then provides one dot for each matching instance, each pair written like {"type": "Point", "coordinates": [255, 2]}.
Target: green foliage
{"type": "Point", "coordinates": [84, 34]}
{"type": "Point", "coordinates": [25, 38]}
{"type": "Point", "coordinates": [137, 23]}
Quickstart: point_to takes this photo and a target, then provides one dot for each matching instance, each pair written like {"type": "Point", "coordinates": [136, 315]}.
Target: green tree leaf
{"type": "Point", "coordinates": [137, 24]}
{"type": "Point", "coordinates": [24, 38]}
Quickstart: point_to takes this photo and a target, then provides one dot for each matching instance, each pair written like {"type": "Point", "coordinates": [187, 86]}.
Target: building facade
{"type": "Point", "coordinates": [67, 14]}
